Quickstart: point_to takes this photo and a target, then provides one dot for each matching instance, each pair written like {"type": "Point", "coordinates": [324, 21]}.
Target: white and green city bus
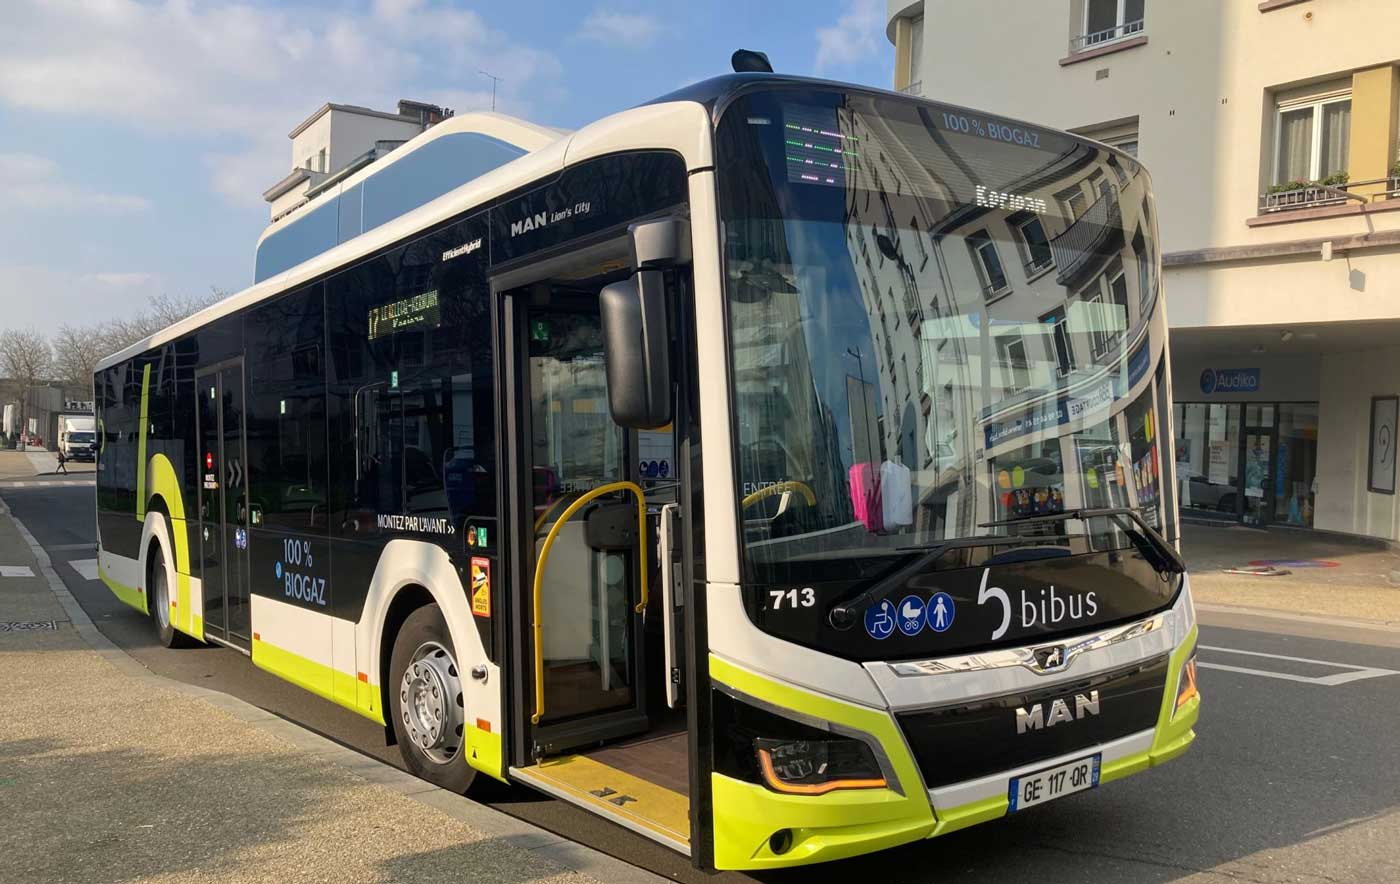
{"type": "Point", "coordinates": [780, 470]}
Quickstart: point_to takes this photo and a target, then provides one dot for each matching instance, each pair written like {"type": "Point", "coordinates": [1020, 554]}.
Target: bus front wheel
{"type": "Point", "coordinates": [426, 704]}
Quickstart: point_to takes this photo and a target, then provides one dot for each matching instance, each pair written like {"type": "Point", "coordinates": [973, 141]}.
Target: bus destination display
{"type": "Point", "coordinates": [409, 314]}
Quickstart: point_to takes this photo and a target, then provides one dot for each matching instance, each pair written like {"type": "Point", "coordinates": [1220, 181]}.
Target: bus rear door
{"type": "Point", "coordinates": [223, 504]}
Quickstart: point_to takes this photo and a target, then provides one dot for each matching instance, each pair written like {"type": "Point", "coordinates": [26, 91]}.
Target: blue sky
{"type": "Point", "coordinates": [136, 138]}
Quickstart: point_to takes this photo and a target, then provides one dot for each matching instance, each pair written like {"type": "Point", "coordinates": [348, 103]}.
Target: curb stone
{"type": "Point", "coordinates": [1350, 622]}
{"type": "Point", "coordinates": [516, 832]}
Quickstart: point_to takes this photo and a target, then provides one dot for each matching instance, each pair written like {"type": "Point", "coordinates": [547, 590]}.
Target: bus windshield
{"type": "Point", "coordinates": [938, 319]}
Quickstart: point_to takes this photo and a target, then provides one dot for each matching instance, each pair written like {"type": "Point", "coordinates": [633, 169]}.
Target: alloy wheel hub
{"type": "Point", "coordinates": [430, 702]}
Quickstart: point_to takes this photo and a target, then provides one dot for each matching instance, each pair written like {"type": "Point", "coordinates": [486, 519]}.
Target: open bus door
{"type": "Point", "coordinates": [596, 623]}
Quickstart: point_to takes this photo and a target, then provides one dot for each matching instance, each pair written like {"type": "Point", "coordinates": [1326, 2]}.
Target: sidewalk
{"type": "Point", "coordinates": [35, 462]}
{"type": "Point", "coordinates": [15, 464]}
{"type": "Point", "coordinates": [111, 773]}
{"type": "Point", "coordinates": [1330, 577]}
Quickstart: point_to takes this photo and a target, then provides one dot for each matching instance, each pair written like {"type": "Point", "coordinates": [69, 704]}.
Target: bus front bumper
{"type": "Point", "coordinates": [758, 828]}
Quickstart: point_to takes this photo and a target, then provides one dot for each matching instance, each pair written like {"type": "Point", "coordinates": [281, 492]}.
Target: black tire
{"type": "Point", "coordinates": [423, 639]}
{"type": "Point", "coordinates": [158, 603]}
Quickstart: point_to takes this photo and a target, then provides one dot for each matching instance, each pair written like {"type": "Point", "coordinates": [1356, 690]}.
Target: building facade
{"type": "Point", "coordinates": [1270, 131]}
{"type": "Point", "coordinates": [339, 139]}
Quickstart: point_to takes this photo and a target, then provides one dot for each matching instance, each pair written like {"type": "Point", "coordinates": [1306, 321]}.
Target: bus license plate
{"type": "Point", "coordinates": [1056, 782]}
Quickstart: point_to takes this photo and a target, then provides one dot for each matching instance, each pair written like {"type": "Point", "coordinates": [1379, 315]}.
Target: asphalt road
{"type": "Point", "coordinates": [1294, 775]}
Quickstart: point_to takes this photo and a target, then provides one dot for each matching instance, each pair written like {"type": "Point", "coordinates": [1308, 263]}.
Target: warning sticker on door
{"type": "Point", "coordinates": [481, 586]}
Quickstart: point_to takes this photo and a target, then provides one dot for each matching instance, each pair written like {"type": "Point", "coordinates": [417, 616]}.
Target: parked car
{"type": "Point", "coordinates": [1204, 494]}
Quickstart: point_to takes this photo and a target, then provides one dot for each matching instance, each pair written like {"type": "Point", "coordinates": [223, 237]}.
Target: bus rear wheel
{"type": "Point", "coordinates": [159, 601]}
{"type": "Point", "coordinates": [426, 704]}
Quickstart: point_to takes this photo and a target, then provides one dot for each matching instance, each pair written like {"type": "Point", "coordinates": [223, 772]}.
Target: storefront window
{"type": "Point", "coordinates": [1295, 469]}
{"type": "Point", "coordinates": [1030, 481]}
{"type": "Point", "coordinates": [1208, 456]}
{"type": "Point", "coordinates": [1146, 467]}
{"type": "Point", "coordinates": [1253, 461]}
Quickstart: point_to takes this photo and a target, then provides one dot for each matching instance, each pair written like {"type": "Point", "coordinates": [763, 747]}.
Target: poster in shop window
{"type": "Point", "coordinates": [1218, 467]}
{"type": "Point", "coordinates": [1383, 418]}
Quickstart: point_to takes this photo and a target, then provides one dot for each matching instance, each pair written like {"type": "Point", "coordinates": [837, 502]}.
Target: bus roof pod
{"type": "Point", "coordinates": [371, 189]}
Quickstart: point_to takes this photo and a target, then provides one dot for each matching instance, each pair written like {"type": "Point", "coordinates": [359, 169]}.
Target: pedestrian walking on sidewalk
{"type": "Point", "coordinates": [62, 463]}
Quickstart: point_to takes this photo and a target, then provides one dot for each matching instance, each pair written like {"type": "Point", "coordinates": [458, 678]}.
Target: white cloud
{"type": "Point", "coordinates": [858, 36]}
{"type": "Point", "coordinates": [247, 73]}
{"type": "Point", "coordinates": [625, 29]}
{"type": "Point", "coordinates": [47, 297]}
{"type": "Point", "coordinates": [32, 182]}
{"type": "Point", "coordinates": [119, 280]}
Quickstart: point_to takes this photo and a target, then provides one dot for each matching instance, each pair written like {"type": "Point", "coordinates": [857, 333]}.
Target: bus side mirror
{"type": "Point", "coordinates": [636, 350]}
{"type": "Point", "coordinates": [636, 326]}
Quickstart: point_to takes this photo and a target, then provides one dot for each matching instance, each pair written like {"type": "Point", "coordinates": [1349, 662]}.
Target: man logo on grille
{"type": "Point", "coordinates": [1034, 718]}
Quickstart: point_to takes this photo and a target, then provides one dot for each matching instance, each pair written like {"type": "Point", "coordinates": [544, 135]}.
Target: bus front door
{"type": "Point", "coordinates": [223, 504]}
{"type": "Point", "coordinates": [598, 665]}
{"type": "Point", "coordinates": [590, 637]}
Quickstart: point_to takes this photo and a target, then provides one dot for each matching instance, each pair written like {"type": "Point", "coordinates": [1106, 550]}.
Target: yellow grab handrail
{"type": "Point", "coordinates": [780, 488]}
{"type": "Point", "coordinates": [544, 557]}
{"type": "Point", "coordinates": [548, 511]}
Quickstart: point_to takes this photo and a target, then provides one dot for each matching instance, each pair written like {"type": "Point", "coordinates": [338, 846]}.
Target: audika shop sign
{"type": "Point", "coordinates": [1229, 380]}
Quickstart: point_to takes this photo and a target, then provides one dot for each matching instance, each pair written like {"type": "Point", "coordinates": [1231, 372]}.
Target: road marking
{"type": "Point", "coordinates": [53, 483]}
{"type": "Point", "coordinates": [16, 571]}
{"type": "Point", "coordinates": [1357, 673]}
{"type": "Point", "coordinates": [86, 568]}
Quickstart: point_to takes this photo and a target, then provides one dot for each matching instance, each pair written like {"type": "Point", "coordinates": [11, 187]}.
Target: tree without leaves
{"type": "Point", "coordinates": [165, 310]}
{"type": "Point", "coordinates": [76, 350]}
{"type": "Point", "coordinates": [26, 357]}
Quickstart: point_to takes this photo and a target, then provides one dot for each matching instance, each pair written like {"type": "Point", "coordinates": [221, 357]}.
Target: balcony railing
{"type": "Point", "coordinates": [1313, 196]}
{"type": "Point", "coordinates": [1031, 266]}
{"type": "Point", "coordinates": [1090, 240]}
{"type": "Point", "coordinates": [992, 291]}
{"type": "Point", "coordinates": [1107, 35]}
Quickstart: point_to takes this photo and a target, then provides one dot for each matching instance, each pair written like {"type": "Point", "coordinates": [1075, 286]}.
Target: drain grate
{"type": "Point", "coordinates": [28, 625]}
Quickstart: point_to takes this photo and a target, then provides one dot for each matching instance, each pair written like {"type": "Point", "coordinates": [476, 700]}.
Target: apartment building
{"type": "Point", "coordinates": [338, 140]}
{"type": "Point", "coordinates": [1270, 132]}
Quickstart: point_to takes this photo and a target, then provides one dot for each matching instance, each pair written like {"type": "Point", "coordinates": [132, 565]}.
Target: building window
{"type": "Point", "coordinates": [321, 163]}
{"type": "Point", "coordinates": [1109, 20]}
{"type": "Point", "coordinates": [1098, 323]}
{"type": "Point", "coordinates": [1107, 316]}
{"type": "Point", "coordinates": [1016, 371]}
{"type": "Point", "coordinates": [1311, 139]}
{"type": "Point", "coordinates": [1145, 265]}
{"type": "Point", "coordinates": [989, 268]}
{"type": "Point", "coordinates": [1059, 340]}
{"type": "Point", "coordinates": [1074, 201]}
{"type": "Point", "coordinates": [1034, 245]}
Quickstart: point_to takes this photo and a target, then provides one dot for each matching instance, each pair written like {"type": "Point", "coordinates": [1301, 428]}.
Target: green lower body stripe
{"type": "Point", "coordinates": [128, 594]}
{"type": "Point", "coordinates": [339, 687]}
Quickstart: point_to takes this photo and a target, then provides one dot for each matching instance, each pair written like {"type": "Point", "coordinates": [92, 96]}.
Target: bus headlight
{"type": "Point", "coordinates": [1186, 684]}
{"type": "Point", "coordinates": [815, 767]}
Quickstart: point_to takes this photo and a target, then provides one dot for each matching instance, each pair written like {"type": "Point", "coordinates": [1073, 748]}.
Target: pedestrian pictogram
{"type": "Point", "coordinates": [940, 612]}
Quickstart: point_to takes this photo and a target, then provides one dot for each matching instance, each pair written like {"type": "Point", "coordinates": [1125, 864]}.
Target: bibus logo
{"type": "Point", "coordinates": [1042, 608]}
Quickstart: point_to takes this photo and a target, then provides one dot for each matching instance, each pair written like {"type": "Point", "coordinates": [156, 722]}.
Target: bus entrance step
{"type": "Point", "coordinates": [644, 807]}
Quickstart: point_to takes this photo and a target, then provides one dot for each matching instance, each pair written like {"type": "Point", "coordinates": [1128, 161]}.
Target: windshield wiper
{"type": "Point", "coordinates": [845, 614]}
{"type": "Point", "coordinates": [1154, 548]}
